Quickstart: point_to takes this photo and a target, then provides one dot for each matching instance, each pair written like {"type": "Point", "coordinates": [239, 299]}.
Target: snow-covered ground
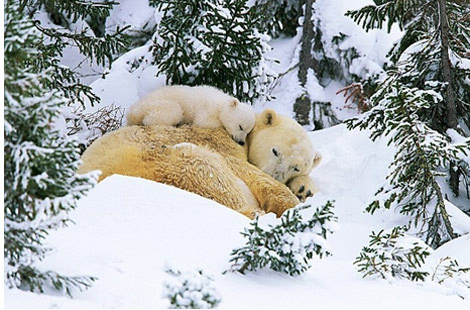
{"type": "Point", "coordinates": [128, 230]}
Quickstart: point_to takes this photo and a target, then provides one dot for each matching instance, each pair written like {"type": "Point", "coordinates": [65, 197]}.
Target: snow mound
{"type": "Point", "coordinates": [128, 229]}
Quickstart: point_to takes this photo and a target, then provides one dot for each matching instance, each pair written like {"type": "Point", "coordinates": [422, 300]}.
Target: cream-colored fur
{"type": "Point", "coordinates": [201, 160]}
{"type": "Point", "coordinates": [302, 187]}
{"type": "Point", "coordinates": [284, 151]}
{"type": "Point", "coordinates": [202, 106]}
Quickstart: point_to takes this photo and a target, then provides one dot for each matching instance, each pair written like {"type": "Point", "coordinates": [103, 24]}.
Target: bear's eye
{"type": "Point", "coordinates": [296, 169]}
{"type": "Point", "coordinates": [241, 128]}
{"type": "Point", "coordinates": [275, 152]}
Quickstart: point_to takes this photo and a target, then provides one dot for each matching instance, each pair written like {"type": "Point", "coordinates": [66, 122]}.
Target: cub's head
{"type": "Point", "coordinates": [238, 119]}
{"type": "Point", "coordinates": [280, 147]}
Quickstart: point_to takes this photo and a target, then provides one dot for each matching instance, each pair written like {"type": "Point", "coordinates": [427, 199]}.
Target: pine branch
{"type": "Point", "coordinates": [74, 9]}
{"type": "Point", "coordinates": [98, 49]}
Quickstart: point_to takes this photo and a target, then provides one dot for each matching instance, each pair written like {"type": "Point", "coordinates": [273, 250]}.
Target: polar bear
{"type": "Point", "coordinates": [285, 157]}
{"type": "Point", "coordinates": [206, 161]}
{"type": "Point", "coordinates": [202, 106]}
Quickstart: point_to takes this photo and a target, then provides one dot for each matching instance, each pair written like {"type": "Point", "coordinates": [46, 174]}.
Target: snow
{"type": "Point", "coordinates": [372, 45]}
{"type": "Point", "coordinates": [136, 13]}
{"type": "Point", "coordinates": [128, 229]}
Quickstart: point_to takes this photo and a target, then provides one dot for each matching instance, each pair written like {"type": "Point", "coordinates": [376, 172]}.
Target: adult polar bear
{"type": "Point", "coordinates": [209, 163]}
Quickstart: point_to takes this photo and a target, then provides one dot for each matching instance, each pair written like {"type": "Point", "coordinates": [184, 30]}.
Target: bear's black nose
{"type": "Point", "coordinates": [241, 142]}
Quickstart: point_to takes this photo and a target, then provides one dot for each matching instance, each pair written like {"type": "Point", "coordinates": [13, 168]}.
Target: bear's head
{"type": "Point", "coordinates": [238, 119]}
{"type": "Point", "coordinates": [280, 147]}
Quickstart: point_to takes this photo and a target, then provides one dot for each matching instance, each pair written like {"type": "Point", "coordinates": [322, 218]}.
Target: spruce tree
{"type": "Point", "coordinates": [97, 46]}
{"type": "Point", "coordinates": [422, 106]}
{"type": "Point", "coordinates": [289, 246]}
{"type": "Point", "coordinates": [212, 42]}
{"type": "Point", "coordinates": [41, 186]}
{"type": "Point", "coordinates": [394, 254]}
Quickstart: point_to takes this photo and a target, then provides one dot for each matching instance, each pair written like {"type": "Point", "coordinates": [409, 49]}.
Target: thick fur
{"type": "Point", "coordinates": [302, 187]}
{"type": "Point", "coordinates": [201, 160]}
{"type": "Point", "coordinates": [284, 151]}
{"type": "Point", "coordinates": [202, 106]}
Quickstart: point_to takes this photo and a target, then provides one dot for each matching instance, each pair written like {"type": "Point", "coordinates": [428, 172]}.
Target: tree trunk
{"type": "Point", "coordinates": [454, 179]}
{"type": "Point", "coordinates": [303, 104]}
{"type": "Point", "coordinates": [306, 60]}
{"type": "Point", "coordinates": [302, 108]}
{"type": "Point", "coordinates": [307, 112]}
{"type": "Point", "coordinates": [451, 109]}
{"type": "Point", "coordinates": [451, 117]}
{"type": "Point", "coordinates": [440, 216]}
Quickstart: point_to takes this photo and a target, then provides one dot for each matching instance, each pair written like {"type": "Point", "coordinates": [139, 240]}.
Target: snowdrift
{"type": "Point", "coordinates": [127, 230]}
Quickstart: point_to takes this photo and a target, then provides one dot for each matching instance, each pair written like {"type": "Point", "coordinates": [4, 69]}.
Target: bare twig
{"type": "Point", "coordinates": [355, 92]}
{"type": "Point", "coordinates": [104, 120]}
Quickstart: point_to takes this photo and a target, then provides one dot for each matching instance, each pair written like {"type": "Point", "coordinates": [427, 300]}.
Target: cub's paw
{"type": "Point", "coordinates": [302, 187]}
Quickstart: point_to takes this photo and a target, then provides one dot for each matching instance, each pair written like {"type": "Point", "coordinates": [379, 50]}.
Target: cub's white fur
{"type": "Point", "coordinates": [203, 106]}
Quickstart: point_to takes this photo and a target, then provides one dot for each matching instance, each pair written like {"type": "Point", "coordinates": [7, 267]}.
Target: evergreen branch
{"type": "Point", "coordinates": [393, 254]}
{"type": "Point", "coordinates": [74, 9]}
{"type": "Point", "coordinates": [40, 162]}
{"type": "Point", "coordinates": [421, 151]}
{"type": "Point", "coordinates": [97, 49]}
{"type": "Point", "coordinates": [279, 247]}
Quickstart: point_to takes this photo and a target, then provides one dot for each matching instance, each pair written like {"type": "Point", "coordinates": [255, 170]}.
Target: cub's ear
{"type": "Point", "coordinates": [234, 103]}
{"type": "Point", "coordinates": [267, 119]}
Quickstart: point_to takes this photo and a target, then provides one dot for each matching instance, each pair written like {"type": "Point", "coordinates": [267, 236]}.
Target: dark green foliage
{"type": "Point", "coordinates": [393, 255]}
{"type": "Point", "coordinates": [289, 246]}
{"type": "Point", "coordinates": [102, 49]}
{"type": "Point", "coordinates": [212, 42]}
{"type": "Point", "coordinates": [422, 63]}
{"type": "Point", "coordinates": [389, 11]}
{"type": "Point", "coordinates": [278, 16]}
{"type": "Point", "coordinates": [414, 107]}
{"type": "Point", "coordinates": [35, 281]}
{"type": "Point", "coordinates": [40, 161]}
{"type": "Point", "coordinates": [396, 255]}
{"type": "Point", "coordinates": [73, 10]}
{"type": "Point", "coordinates": [421, 152]}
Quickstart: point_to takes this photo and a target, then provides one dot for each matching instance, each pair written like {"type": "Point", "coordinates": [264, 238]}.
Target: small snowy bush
{"type": "Point", "coordinates": [190, 290]}
{"type": "Point", "coordinates": [289, 246]}
{"type": "Point", "coordinates": [398, 255]}
{"type": "Point", "coordinates": [455, 278]}
{"type": "Point", "coordinates": [394, 254]}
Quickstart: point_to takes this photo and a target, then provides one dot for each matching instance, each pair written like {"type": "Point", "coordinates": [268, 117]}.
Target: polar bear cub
{"type": "Point", "coordinates": [202, 106]}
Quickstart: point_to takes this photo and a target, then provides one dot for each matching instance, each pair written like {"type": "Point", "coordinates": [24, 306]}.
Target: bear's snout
{"type": "Point", "coordinates": [241, 143]}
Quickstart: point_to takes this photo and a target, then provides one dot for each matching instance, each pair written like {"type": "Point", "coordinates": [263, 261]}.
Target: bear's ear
{"type": "Point", "coordinates": [268, 118]}
{"type": "Point", "coordinates": [316, 159]}
{"type": "Point", "coordinates": [234, 103]}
